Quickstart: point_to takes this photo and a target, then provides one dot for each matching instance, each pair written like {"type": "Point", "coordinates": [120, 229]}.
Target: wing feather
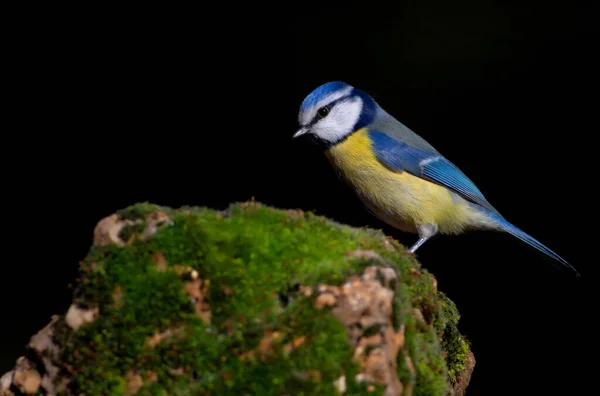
{"type": "Point", "coordinates": [426, 164]}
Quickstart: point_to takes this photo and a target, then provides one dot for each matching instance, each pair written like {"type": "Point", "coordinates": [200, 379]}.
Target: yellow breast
{"type": "Point", "coordinates": [398, 198]}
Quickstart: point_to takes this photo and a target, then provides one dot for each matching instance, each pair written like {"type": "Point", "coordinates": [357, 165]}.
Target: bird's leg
{"type": "Point", "coordinates": [426, 231]}
{"type": "Point", "coordinates": [417, 245]}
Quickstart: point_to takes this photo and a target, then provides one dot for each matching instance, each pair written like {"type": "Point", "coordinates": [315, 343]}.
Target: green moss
{"type": "Point", "coordinates": [254, 257]}
{"type": "Point", "coordinates": [139, 211]}
{"type": "Point", "coordinates": [455, 344]}
{"type": "Point", "coordinates": [129, 230]}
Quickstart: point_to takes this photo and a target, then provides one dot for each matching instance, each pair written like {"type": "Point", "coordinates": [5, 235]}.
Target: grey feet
{"type": "Point", "coordinates": [426, 231]}
{"type": "Point", "coordinates": [417, 245]}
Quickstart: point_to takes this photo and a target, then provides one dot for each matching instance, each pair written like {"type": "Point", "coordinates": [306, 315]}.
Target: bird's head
{"type": "Point", "coordinates": [333, 111]}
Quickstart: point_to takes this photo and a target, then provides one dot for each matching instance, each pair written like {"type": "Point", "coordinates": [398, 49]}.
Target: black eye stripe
{"type": "Point", "coordinates": [328, 108]}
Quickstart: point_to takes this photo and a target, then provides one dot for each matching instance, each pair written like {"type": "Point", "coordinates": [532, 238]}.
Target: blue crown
{"type": "Point", "coordinates": [321, 92]}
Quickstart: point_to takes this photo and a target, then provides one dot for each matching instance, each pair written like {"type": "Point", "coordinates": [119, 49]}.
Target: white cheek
{"type": "Point", "coordinates": [340, 122]}
{"type": "Point", "coordinates": [305, 118]}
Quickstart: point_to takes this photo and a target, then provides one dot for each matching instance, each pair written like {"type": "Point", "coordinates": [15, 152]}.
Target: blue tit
{"type": "Point", "coordinates": [399, 177]}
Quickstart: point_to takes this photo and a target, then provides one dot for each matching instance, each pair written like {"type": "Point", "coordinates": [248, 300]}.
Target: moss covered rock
{"type": "Point", "coordinates": [250, 301]}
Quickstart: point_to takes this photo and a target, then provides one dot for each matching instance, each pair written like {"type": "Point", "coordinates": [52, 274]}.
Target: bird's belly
{"type": "Point", "coordinates": [397, 198]}
{"type": "Point", "coordinates": [395, 219]}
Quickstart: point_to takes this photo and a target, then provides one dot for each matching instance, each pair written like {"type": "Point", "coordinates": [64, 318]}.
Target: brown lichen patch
{"type": "Point", "coordinates": [42, 342]}
{"type": "Point", "coordinates": [268, 344]}
{"type": "Point", "coordinates": [77, 316]}
{"type": "Point", "coordinates": [152, 376]}
{"type": "Point", "coordinates": [108, 229]}
{"type": "Point", "coordinates": [306, 291]}
{"type": "Point", "coordinates": [197, 289]}
{"type": "Point", "coordinates": [419, 318]}
{"type": "Point", "coordinates": [340, 384]}
{"type": "Point", "coordinates": [400, 338]}
{"type": "Point", "coordinates": [375, 339]}
{"type": "Point", "coordinates": [133, 383]}
{"type": "Point", "coordinates": [117, 296]}
{"type": "Point", "coordinates": [334, 290]}
{"type": "Point", "coordinates": [366, 254]}
{"type": "Point", "coordinates": [294, 344]}
{"type": "Point", "coordinates": [88, 267]}
{"type": "Point", "coordinates": [185, 270]}
{"type": "Point", "coordinates": [388, 245]}
{"type": "Point", "coordinates": [459, 388]}
{"type": "Point", "coordinates": [158, 337]}
{"type": "Point", "coordinates": [295, 212]}
{"type": "Point", "coordinates": [327, 295]}
{"type": "Point", "coordinates": [325, 299]}
{"type": "Point", "coordinates": [153, 221]}
{"type": "Point", "coordinates": [413, 375]}
{"type": "Point", "coordinates": [314, 375]}
{"type": "Point", "coordinates": [5, 383]}
{"type": "Point", "coordinates": [364, 304]}
{"type": "Point", "coordinates": [26, 378]}
{"type": "Point", "coordinates": [44, 346]}
{"type": "Point", "coordinates": [177, 371]}
{"type": "Point", "coordinates": [160, 262]}
{"type": "Point", "coordinates": [308, 375]}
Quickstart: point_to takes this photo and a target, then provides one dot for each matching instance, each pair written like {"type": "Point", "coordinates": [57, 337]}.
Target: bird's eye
{"type": "Point", "coordinates": [323, 111]}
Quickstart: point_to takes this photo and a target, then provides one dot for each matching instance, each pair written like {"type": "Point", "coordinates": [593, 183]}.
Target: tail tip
{"type": "Point", "coordinates": [511, 229]}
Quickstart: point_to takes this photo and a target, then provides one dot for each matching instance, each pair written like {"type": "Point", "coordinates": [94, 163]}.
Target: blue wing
{"type": "Point", "coordinates": [428, 165]}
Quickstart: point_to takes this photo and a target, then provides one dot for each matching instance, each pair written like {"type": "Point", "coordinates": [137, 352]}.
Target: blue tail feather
{"type": "Point", "coordinates": [511, 229]}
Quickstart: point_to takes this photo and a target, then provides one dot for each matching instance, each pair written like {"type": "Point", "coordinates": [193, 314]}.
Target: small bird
{"type": "Point", "coordinates": [399, 177]}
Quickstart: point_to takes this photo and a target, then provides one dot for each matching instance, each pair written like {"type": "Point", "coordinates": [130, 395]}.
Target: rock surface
{"type": "Point", "coordinates": [252, 300]}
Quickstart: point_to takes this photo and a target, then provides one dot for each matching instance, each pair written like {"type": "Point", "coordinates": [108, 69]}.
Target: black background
{"type": "Point", "coordinates": [197, 107]}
